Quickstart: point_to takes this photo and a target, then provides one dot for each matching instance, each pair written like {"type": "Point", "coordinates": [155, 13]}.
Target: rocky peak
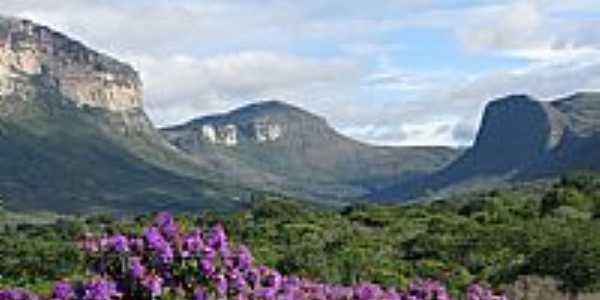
{"type": "Point", "coordinates": [261, 122]}
{"type": "Point", "coordinates": [83, 76]}
{"type": "Point", "coordinates": [520, 123]}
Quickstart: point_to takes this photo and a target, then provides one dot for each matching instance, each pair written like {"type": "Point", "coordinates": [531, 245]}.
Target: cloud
{"type": "Point", "coordinates": [503, 27]}
{"type": "Point", "coordinates": [405, 134]}
{"type": "Point", "coordinates": [463, 133]}
{"type": "Point", "coordinates": [398, 80]}
{"type": "Point", "coordinates": [181, 87]}
{"type": "Point", "coordinates": [545, 79]}
{"type": "Point", "coordinates": [350, 61]}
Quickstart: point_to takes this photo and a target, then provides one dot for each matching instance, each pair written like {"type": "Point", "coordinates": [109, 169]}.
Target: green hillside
{"type": "Point", "coordinates": [66, 160]}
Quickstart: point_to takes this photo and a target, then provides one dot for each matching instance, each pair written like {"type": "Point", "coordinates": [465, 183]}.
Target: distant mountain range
{"type": "Point", "coordinates": [74, 138]}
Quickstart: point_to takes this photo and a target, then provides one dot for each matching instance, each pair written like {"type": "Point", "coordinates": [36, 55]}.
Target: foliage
{"type": "Point", "coordinates": [489, 237]}
{"type": "Point", "coordinates": [166, 262]}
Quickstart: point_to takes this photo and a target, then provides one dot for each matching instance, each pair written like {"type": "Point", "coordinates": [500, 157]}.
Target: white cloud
{"type": "Point", "coordinates": [517, 25]}
{"type": "Point", "coordinates": [336, 57]}
{"type": "Point", "coordinates": [406, 134]}
{"type": "Point", "coordinates": [181, 87]}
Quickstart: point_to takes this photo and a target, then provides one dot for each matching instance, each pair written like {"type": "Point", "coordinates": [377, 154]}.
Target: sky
{"type": "Point", "coordinates": [403, 72]}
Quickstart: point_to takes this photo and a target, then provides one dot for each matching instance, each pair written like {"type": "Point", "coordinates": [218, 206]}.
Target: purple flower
{"type": "Point", "coordinates": [17, 295]}
{"type": "Point", "coordinates": [254, 278]}
{"type": "Point", "coordinates": [194, 242]}
{"type": "Point", "coordinates": [154, 238]}
{"type": "Point", "coordinates": [166, 254]}
{"type": "Point", "coordinates": [218, 238]}
{"type": "Point", "coordinates": [63, 290]}
{"type": "Point", "coordinates": [237, 280]}
{"type": "Point", "coordinates": [367, 291]}
{"type": "Point", "coordinates": [221, 285]}
{"type": "Point", "coordinates": [100, 289]}
{"type": "Point", "coordinates": [267, 293]}
{"type": "Point", "coordinates": [136, 268]}
{"type": "Point", "coordinates": [244, 258]}
{"type": "Point", "coordinates": [137, 244]}
{"type": "Point", "coordinates": [119, 243]}
{"type": "Point", "coordinates": [167, 225]}
{"type": "Point", "coordinates": [200, 294]}
{"type": "Point", "coordinates": [163, 218]}
{"type": "Point", "coordinates": [153, 284]}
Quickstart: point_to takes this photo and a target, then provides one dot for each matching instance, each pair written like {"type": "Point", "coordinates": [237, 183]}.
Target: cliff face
{"type": "Point", "coordinates": [84, 77]}
{"type": "Point", "coordinates": [519, 139]}
{"type": "Point", "coordinates": [74, 136]}
{"type": "Point", "coordinates": [515, 132]}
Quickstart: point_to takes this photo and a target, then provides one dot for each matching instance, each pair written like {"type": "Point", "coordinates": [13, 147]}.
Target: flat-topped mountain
{"type": "Point", "coordinates": [37, 62]}
{"type": "Point", "coordinates": [74, 136]}
{"type": "Point", "coordinates": [84, 76]}
{"type": "Point", "coordinates": [287, 146]}
{"type": "Point", "coordinates": [521, 138]}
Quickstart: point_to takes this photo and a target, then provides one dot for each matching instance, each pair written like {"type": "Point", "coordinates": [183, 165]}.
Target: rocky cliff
{"type": "Point", "coordinates": [521, 138]}
{"type": "Point", "coordinates": [85, 77]}
{"type": "Point", "coordinates": [74, 136]}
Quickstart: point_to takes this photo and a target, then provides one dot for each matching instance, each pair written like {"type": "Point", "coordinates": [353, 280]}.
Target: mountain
{"type": "Point", "coordinates": [74, 136]}
{"type": "Point", "coordinates": [275, 144]}
{"type": "Point", "coordinates": [520, 139]}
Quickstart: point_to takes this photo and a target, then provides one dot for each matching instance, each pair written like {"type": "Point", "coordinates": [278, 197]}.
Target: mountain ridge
{"type": "Point", "coordinates": [290, 144]}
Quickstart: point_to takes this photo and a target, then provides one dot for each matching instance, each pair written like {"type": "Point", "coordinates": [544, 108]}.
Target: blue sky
{"type": "Point", "coordinates": [413, 72]}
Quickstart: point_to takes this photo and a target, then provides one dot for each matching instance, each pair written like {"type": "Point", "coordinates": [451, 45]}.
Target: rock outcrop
{"type": "Point", "coordinates": [260, 131]}
{"type": "Point", "coordinates": [85, 77]}
{"type": "Point", "coordinates": [226, 135]}
{"type": "Point", "coordinates": [521, 139]}
{"type": "Point", "coordinates": [515, 131]}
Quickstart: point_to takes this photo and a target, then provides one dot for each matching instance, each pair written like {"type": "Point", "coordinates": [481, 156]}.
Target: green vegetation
{"type": "Point", "coordinates": [67, 161]}
{"type": "Point", "coordinates": [492, 237]}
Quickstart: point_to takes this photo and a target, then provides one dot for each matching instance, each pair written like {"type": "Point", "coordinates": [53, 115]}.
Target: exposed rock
{"type": "Point", "coordinates": [84, 76]}
{"type": "Point", "coordinates": [265, 131]}
{"type": "Point", "coordinates": [229, 135]}
{"type": "Point", "coordinates": [521, 138]}
{"type": "Point", "coordinates": [262, 131]}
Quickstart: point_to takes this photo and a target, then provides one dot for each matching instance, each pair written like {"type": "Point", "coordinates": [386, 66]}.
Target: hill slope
{"type": "Point", "coordinates": [297, 151]}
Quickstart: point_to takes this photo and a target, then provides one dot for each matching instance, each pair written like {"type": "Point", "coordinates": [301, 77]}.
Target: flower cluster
{"type": "Point", "coordinates": [167, 263]}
